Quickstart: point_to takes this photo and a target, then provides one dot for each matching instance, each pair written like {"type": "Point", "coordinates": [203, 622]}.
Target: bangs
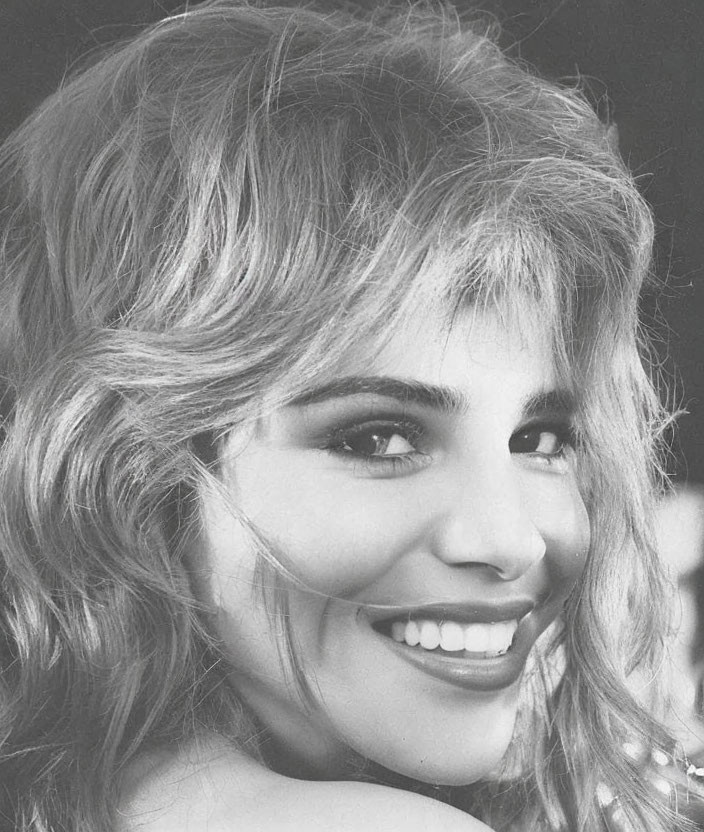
{"type": "Point", "coordinates": [486, 209]}
{"type": "Point", "coordinates": [514, 246]}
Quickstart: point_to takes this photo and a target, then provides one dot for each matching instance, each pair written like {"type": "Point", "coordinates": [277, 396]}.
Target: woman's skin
{"type": "Point", "coordinates": [434, 484]}
{"type": "Point", "coordinates": [215, 789]}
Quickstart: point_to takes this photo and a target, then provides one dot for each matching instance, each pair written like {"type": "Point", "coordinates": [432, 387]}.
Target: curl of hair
{"type": "Point", "coordinates": [222, 208]}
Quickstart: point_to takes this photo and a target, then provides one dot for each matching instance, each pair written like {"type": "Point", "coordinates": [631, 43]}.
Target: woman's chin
{"type": "Point", "coordinates": [443, 771]}
{"type": "Point", "coordinates": [447, 756]}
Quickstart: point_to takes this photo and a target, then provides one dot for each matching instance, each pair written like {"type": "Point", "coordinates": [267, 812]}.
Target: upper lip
{"type": "Point", "coordinates": [479, 612]}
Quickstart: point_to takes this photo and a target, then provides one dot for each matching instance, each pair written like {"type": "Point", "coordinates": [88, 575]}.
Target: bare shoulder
{"type": "Point", "coordinates": [231, 793]}
{"type": "Point", "coordinates": [294, 806]}
{"type": "Point", "coordinates": [353, 807]}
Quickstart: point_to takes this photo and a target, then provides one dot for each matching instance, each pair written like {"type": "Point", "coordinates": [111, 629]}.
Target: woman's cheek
{"type": "Point", "coordinates": [338, 532]}
{"type": "Point", "coordinates": [557, 509]}
{"type": "Point", "coordinates": [345, 543]}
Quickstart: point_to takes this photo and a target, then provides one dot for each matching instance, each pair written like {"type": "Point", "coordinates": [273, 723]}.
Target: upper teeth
{"type": "Point", "coordinates": [452, 636]}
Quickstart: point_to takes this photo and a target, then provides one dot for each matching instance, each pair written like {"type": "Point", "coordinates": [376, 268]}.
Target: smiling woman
{"type": "Point", "coordinates": [329, 451]}
{"type": "Point", "coordinates": [432, 517]}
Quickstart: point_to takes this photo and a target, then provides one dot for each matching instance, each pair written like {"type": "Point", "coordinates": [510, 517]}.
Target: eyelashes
{"type": "Point", "coordinates": [386, 446]}
{"type": "Point", "coordinates": [400, 446]}
{"type": "Point", "coordinates": [549, 441]}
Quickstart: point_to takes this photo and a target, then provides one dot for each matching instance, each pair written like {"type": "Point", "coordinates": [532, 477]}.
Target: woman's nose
{"type": "Point", "coordinates": [486, 523]}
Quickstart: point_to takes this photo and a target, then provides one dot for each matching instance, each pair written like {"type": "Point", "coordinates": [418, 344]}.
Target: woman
{"type": "Point", "coordinates": [329, 451]}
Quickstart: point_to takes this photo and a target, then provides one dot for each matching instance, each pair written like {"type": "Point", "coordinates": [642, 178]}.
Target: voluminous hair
{"type": "Point", "coordinates": [209, 217]}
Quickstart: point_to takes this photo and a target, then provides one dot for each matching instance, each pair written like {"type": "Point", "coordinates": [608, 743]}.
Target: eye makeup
{"type": "Point", "coordinates": [386, 446]}
{"type": "Point", "coordinates": [549, 440]}
{"type": "Point", "coordinates": [388, 427]}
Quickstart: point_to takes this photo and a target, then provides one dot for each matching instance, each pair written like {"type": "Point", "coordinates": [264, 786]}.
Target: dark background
{"type": "Point", "coordinates": [640, 61]}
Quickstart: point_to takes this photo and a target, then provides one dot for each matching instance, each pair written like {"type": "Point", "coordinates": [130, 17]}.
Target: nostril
{"type": "Point", "coordinates": [516, 555]}
{"type": "Point", "coordinates": [508, 552]}
{"type": "Point", "coordinates": [489, 528]}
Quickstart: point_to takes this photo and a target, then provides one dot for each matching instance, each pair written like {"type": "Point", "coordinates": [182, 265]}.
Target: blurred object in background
{"type": "Point", "coordinates": [680, 527]}
{"type": "Point", "coordinates": [681, 541]}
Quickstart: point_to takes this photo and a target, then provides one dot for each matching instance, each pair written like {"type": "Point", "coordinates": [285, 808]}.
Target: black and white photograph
{"type": "Point", "coordinates": [352, 416]}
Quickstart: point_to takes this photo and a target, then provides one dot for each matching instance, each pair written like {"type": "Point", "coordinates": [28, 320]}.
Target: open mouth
{"type": "Point", "coordinates": [452, 638]}
{"type": "Point", "coordinates": [475, 645]}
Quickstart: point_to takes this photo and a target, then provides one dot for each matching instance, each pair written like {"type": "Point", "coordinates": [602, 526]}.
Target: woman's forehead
{"type": "Point", "coordinates": [433, 348]}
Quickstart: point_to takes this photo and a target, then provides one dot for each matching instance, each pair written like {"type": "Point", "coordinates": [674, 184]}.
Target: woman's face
{"type": "Point", "coordinates": [427, 501]}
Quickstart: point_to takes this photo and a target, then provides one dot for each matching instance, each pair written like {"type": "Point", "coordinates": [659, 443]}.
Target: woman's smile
{"type": "Point", "coordinates": [476, 646]}
{"type": "Point", "coordinates": [425, 506]}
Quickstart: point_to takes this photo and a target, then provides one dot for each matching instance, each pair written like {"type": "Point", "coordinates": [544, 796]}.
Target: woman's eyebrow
{"type": "Point", "coordinates": [447, 399]}
{"type": "Point", "coordinates": [444, 398]}
{"type": "Point", "coordinates": [559, 402]}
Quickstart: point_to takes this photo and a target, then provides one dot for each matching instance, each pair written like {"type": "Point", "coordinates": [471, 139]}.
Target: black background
{"type": "Point", "coordinates": [642, 60]}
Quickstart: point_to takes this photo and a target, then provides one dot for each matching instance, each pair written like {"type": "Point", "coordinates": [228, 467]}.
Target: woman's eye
{"type": "Point", "coordinates": [382, 448]}
{"type": "Point", "coordinates": [541, 441]}
{"type": "Point", "coordinates": [377, 442]}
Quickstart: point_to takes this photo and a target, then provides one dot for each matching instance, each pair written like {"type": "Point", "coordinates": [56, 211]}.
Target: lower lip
{"type": "Point", "coordinates": [489, 674]}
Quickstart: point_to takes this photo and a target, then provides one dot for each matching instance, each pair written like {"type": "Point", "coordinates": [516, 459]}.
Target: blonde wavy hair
{"type": "Point", "coordinates": [222, 207]}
